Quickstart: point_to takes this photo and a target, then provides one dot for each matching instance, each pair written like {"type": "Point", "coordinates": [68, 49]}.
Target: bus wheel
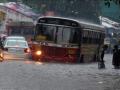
{"type": "Point", "coordinates": [82, 59]}
{"type": "Point", "coordinates": [94, 58]}
{"type": "Point", "coordinates": [35, 58]}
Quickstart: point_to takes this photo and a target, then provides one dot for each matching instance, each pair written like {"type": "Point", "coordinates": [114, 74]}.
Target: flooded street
{"type": "Point", "coordinates": [29, 75]}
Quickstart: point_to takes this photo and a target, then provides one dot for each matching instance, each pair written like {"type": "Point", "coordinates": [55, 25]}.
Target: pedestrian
{"type": "Point", "coordinates": [116, 57]}
{"type": "Point", "coordinates": [1, 44]}
{"type": "Point", "coordinates": [101, 63]}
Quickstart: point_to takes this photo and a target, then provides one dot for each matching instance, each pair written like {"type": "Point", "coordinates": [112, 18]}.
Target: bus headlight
{"type": "Point", "coordinates": [38, 53]}
{"type": "Point", "coordinates": [71, 52]}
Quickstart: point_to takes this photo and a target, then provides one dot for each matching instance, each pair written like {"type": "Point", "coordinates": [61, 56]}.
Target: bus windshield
{"type": "Point", "coordinates": [57, 34]}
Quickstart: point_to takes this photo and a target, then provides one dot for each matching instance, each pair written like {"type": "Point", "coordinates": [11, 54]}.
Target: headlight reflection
{"type": "Point", "coordinates": [38, 63]}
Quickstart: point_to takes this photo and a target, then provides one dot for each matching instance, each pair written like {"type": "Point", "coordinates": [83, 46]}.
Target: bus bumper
{"type": "Point", "coordinates": [68, 59]}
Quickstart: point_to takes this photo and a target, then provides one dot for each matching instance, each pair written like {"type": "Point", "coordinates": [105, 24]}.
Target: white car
{"type": "Point", "coordinates": [16, 49]}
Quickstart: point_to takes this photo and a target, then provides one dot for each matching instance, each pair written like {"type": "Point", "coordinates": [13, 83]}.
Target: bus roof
{"type": "Point", "coordinates": [83, 24]}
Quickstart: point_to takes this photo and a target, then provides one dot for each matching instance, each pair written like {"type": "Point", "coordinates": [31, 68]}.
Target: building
{"type": "Point", "coordinates": [14, 12]}
{"type": "Point", "coordinates": [2, 20]}
{"type": "Point", "coordinates": [112, 36]}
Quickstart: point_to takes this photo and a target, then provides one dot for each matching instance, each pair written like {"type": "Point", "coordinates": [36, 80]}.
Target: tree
{"type": "Point", "coordinates": [1, 1]}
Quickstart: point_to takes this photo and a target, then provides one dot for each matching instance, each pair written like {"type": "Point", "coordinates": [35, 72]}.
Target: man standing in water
{"type": "Point", "coordinates": [101, 63]}
{"type": "Point", "coordinates": [116, 57]}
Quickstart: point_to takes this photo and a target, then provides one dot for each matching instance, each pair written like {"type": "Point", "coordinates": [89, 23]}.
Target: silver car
{"type": "Point", "coordinates": [16, 49]}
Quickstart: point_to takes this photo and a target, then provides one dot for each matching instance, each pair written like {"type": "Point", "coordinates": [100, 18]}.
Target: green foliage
{"type": "Point", "coordinates": [111, 9]}
{"type": "Point", "coordinates": [109, 2]}
{"type": "Point", "coordinates": [85, 9]}
{"type": "Point", "coordinates": [2, 1]}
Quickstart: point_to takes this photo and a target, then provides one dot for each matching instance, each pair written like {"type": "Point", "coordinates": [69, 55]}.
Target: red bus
{"type": "Point", "coordinates": [66, 40]}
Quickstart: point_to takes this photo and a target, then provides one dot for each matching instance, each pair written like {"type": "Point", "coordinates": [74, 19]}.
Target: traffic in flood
{"type": "Point", "coordinates": [59, 44]}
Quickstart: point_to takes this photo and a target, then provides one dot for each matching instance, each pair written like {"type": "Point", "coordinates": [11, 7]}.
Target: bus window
{"type": "Point", "coordinates": [75, 36]}
{"type": "Point", "coordinates": [84, 36]}
{"type": "Point", "coordinates": [57, 34]}
{"type": "Point", "coordinates": [47, 32]}
{"type": "Point", "coordinates": [94, 37]}
{"type": "Point", "coordinates": [67, 35]}
{"type": "Point", "coordinates": [87, 37]}
{"type": "Point", "coordinates": [63, 35]}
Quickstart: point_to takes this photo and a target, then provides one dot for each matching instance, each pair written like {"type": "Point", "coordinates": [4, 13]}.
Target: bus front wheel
{"type": "Point", "coordinates": [35, 58]}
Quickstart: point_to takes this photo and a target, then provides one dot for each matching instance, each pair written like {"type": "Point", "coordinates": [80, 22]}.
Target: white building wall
{"type": "Point", "coordinates": [2, 26]}
{"type": "Point", "coordinates": [2, 22]}
{"type": "Point", "coordinates": [14, 16]}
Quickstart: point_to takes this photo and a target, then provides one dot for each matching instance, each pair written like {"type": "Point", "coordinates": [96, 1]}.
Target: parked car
{"type": "Point", "coordinates": [16, 49]}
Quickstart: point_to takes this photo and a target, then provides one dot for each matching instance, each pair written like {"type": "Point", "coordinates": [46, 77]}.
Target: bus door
{"type": "Point", "coordinates": [61, 39]}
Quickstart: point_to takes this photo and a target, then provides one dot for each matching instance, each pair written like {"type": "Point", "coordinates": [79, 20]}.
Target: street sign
{"type": "Point", "coordinates": [107, 41]}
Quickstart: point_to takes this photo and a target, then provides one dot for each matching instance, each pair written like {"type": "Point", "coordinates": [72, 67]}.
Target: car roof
{"type": "Point", "coordinates": [17, 40]}
{"type": "Point", "coordinates": [15, 37]}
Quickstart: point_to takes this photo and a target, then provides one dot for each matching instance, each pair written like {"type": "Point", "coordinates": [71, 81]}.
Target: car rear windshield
{"type": "Point", "coordinates": [15, 38]}
{"type": "Point", "coordinates": [16, 44]}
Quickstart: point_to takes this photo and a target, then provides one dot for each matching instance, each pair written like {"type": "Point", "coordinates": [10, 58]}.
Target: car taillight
{"type": "Point", "coordinates": [27, 50]}
{"type": "Point", "coordinates": [1, 54]}
{"type": "Point", "coordinates": [38, 53]}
